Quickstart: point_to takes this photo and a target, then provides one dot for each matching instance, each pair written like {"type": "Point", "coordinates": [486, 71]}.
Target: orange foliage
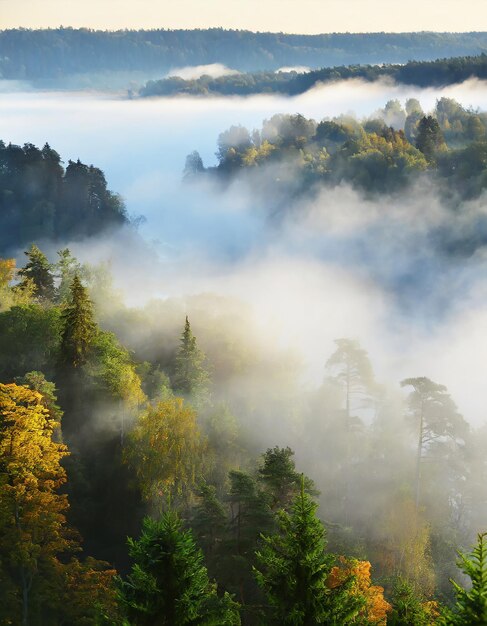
{"type": "Point", "coordinates": [375, 607]}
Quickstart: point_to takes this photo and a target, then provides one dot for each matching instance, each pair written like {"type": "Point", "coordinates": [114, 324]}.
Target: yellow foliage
{"type": "Point", "coordinates": [404, 545]}
{"type": "Point", "coordinates": [166, 448]}
{"type": "Point", "coordinates": [7, 272]}
{"type": "Point", "coordinates": [375, 607]}
{"type": "Point", "coordinates": [32, 520]}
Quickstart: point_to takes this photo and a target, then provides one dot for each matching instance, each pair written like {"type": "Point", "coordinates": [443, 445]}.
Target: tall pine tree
{"type": "Point", "coordinates": [79, 327]}
{"type": "Point", "coordinates": [38, 273]}
{"type": "Point", "coordinates": [169, 583]}
{"type": "Point", "coordinates": [294, 568]}
{"type": "Point", "coordinates": [190, 376]}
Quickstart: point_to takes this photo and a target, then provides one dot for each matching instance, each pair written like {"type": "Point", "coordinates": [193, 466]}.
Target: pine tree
{"type": "Point", "coordinates": [279, 477]}
{"type": "Point", "coordinates": [169, 583]}
{"type": "Point", "coordinates": [471, 604]}
{"type": "Point", "coordinates": [190, 376]}
{"type": "Point", "coordinates": [79, 327]}
{"type": "Point", "coordinates": [38, 273]}
{"type": "Point", "coordinates": [67, 268]}
{"type": "Point", "coordinates": [294, 569]}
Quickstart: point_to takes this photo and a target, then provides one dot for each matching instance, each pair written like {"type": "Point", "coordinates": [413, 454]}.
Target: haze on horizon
{"type": "Point", "coordinates": [307, 16]}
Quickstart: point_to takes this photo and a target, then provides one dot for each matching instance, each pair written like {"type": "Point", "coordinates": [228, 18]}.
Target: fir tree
{"type": "Point", "coordinates": [169, 583]}
{"type": "Point", "coordinates": [79, 327]}
{"type": "Point", "coordinates": [37, 272]}
{"type": "Point", "coordinates": [294, 569]}
{"type": "Point", "coordinates": [190, 376]}
{"type": "Point", "coordinates": [471, 605]}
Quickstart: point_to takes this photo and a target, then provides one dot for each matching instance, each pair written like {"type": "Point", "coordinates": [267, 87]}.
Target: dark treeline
{"type": "Point", "coordinates": [393, 149]}
{"type": "Point", "coordinates": [39, 199]}
{"type": "Point", "coordinates": [163, 421]}
{"type": "Point", "coordinates": [437, 73]}
{"type": "Point", "coordinates": [54, 54]}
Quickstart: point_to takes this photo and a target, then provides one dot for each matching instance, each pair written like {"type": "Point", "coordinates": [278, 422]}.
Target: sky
{"type": "Point", "coordinates": [305, 16]}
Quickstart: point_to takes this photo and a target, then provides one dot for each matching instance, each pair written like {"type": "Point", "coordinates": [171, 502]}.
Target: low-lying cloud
{"type": "Point", "coordinates": [338, 265]}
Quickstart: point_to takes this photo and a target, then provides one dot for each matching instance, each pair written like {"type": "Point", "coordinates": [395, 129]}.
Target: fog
{"type": "Point", "coordinates": [215, 70]}
{"type": "Point", "coordinates": [338, 266]}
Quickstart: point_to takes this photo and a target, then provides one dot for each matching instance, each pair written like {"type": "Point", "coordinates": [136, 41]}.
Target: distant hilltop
{"type": "Point", "coordinates": [62, 53]}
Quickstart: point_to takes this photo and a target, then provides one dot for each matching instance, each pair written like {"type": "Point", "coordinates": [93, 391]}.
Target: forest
{"type": "Point", "coordinates": [59, 53]}
{"type": "Point", "coordinates": [393, 150]}
{"type": "Point", "coordinates": [448, 71]}
{"type": "Point", "coordinates": [149, 423]}
{"type": "Point", "coordinates": [168, 459]}
{"type": "Point", "coordinates": [39, 199]}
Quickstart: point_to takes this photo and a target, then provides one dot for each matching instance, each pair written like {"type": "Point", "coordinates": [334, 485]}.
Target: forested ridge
{"type": "Point", "coordinates": [385, 155]}
{"type": "Point", "coordinates": [54, 54]}
{"type": "Point", "coordinates": [438, 73]}
{"type": "Point", "coordinates": [42, 200]}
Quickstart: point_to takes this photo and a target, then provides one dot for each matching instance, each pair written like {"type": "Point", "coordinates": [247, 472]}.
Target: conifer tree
{"type": "Point", "coordinates": [471, 604]}
{"type": "Point", "coordinates": [293, 571]}
{"type": "Point", "coordinates": [409, 606]}
{"type": "Point", "coordinates": [209, 520]}
{"type": "Point", "coordinates": [279, 477]}
{"type": "Point", "coordinates": [38, 272]}
{"type": "Point", "coordinates": [429, 138]}
{"type": "Point", "coordinates": [190, 376]}
{"type": "Point", "coordinates": [67, 268]}
{"type": "Point", "coordinates": [169, 583]}
{"type": "Point", "coordinates": [79, 327]}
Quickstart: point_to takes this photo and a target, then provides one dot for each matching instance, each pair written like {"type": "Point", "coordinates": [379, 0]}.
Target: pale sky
{"type": "Point", "coordinates": [298, 16]}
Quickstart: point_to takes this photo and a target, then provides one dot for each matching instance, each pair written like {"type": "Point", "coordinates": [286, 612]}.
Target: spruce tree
{"type": "Point", "coordinates": [471, 604]}
{"type": "Point", "coordinates": [37, 272]}
{"type": "Point", "coordinates": [190, 376]}
{"type": "Point", "coordinates": [294, 568]}
{"type": "Point", "coordinates": [79, 327]}
{"type": "Point", "coordinates": [169, 583]}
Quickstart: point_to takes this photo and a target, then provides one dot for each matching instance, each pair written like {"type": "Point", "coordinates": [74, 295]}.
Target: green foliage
{"type": "Point", "coordinates": [293, 570]}
{"type": "Point", "coordinates": [29, 340]}
{"type": "Point", "coordinates": [190, 376]}
{"type": "Point", "coordinates": [40, 200]}
{"type": "Point", "coordinates": [169, 583]}
{"type": "Point", "coordinates": [429, 139]}
{"type": "Point", "coordinates": [79, 328]}
{"type": "Point", "coordinates": [112, 368]}
{"type": "Point", "coordinates": [37, 382]}
{"type": "Point", "coordinates": [209, 520]}
{"type": "Point", "coordinates": [280, 479]}
{"type": "Point", "coordinates": [38, 271]}
{"type": "Point", "coordinates": [67, 268]}
{"type": "Point", "coordinates": [409, 607]}
{"type": "Point", "coordinates": [471, 604]}
{"type": "Point", "coordinates": [441, 72]}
